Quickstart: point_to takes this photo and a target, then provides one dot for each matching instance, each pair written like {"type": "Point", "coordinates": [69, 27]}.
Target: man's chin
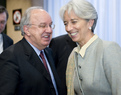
{"type": "Point", "coordinates": [46, 43]}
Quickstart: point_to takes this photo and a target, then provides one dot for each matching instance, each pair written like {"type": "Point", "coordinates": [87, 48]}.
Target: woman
{"type": "Point", "coordinates": [94, 66]}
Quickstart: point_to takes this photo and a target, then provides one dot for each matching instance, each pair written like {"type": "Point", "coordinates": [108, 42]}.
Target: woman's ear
{"type": "Point", "coordinates": [91, 22]}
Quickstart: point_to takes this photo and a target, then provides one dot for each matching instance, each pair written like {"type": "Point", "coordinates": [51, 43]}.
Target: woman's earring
{"type": "Point", "coordinates": [90, 28]}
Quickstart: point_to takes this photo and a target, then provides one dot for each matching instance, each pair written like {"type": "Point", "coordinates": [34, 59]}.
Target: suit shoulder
{"type": "Point", "coordinates": [62, 37]}
{"type": "Point", "coordinates": [7, 37]}
{"type": "Point", "coordinates": [109, 44]}
{"type": "Point", "coordinates": [47, 49]}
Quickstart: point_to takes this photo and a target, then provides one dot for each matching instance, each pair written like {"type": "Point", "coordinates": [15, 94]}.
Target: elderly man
{"type": "Point", "coordinates": [27, 67]}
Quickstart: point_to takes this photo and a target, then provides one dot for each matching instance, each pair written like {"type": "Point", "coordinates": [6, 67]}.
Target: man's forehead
{"type": "Point", "coordinates": [40, 14]}
{"type": "Point", "coordinates": [34, 11]}
{"type": "Point", "coordinates": [3, 16]}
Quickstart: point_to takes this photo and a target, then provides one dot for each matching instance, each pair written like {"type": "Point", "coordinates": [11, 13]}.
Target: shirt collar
{"type": "Point", "coordinates": [82, 50]}
{"type": "Point", "coordinates": [35, 49]}
{"type": "Point", "coordinates": [0, 36]}
{"type": "Point", "coordinates": [1, 39]}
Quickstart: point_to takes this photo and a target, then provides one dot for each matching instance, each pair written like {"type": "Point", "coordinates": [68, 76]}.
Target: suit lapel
{"type": "Point", "coordinates": [4, 41]}
{"type": "Point", "coordinates": [34, 60]}
{"type": "Point", "coordinates": [49, 58]}
{"type": "Point", "coordinates": [51, 61]}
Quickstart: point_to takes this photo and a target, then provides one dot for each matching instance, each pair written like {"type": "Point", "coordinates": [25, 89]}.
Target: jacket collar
{"type": "Point", "coordinates": [34, 60]}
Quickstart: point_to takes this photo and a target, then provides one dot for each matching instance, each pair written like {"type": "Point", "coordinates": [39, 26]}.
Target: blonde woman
{"type": "Point", "coordinates": [94, 66]}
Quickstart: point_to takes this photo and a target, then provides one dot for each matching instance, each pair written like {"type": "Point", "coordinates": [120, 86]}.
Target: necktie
{"type": "Point", "coordinates": [45, 64]}
{"type": "Point", "coordinates": [44, 61]}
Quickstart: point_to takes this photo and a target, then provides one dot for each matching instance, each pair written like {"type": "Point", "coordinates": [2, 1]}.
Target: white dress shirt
{"type": "Point", "coordinates": [49, 68]}
{"type": "Point", "coordinates": [1, 43]}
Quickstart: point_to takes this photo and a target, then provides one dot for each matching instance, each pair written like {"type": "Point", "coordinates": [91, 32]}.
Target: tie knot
{"type": "Point", "coordinates": [43, 59]}
{"type": "Point", "coordinates": [41, 54]}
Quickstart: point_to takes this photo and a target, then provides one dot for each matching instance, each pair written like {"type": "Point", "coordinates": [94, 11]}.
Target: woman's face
{"type": "Point", "coordinates": [77, 28]}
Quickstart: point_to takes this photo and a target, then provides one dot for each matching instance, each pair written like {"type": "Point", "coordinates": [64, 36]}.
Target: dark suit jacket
{"type": "Point", "coordinates": [7, 41]}
{"type": "Point", "coordinates": [62, 47]}
{"type": "Point", "coordinates": [23, 73]}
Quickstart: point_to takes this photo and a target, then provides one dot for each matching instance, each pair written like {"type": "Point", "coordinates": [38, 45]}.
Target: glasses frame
{"type": "Point", "coordinates": [44, 26]}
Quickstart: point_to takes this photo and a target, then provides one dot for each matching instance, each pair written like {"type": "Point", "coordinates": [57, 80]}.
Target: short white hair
{"type": "Point", "coordinates": [26, 17]}
{"type": "Point", "coordinates": [82, 9]}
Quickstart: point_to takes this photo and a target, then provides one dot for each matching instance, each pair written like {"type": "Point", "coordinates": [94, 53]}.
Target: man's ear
{"type": "Point", "coordinates": [26, 30]}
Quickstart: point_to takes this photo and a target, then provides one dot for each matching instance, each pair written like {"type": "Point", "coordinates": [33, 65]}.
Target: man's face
{"type": "Point", "coordinates": [39, 31]}
{"type": "Point", "coordinates": [2, 21]}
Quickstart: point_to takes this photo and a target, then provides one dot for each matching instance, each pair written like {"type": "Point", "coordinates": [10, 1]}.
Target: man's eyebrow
{"type": "Point", "coordinates": [42, 23]}
{"type": "Point", "coordinates": [46, 23]}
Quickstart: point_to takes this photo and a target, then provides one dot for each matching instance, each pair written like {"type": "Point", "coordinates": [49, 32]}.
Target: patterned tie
{"type": "Point", "coordinates": [44, 61]}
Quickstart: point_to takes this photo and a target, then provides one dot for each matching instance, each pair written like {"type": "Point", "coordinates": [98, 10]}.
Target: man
{"type": "Point", "coordinates": [5, 41]}
{"type": "Point", "coordinates": [62, 47]}
{"type": "Point", "coordinates": [22, 70]}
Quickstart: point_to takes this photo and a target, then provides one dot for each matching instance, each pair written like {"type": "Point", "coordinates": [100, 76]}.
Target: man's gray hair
{"type": "Point", "coordinates": [26, 17]}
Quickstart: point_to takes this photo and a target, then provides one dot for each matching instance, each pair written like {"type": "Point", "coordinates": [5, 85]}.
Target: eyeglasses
{"type": "Point", "coordinates": [44, 26]}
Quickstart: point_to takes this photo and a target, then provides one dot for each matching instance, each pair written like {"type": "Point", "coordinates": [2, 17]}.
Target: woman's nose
{"type": "Point", "coordinates": [69, 27]}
